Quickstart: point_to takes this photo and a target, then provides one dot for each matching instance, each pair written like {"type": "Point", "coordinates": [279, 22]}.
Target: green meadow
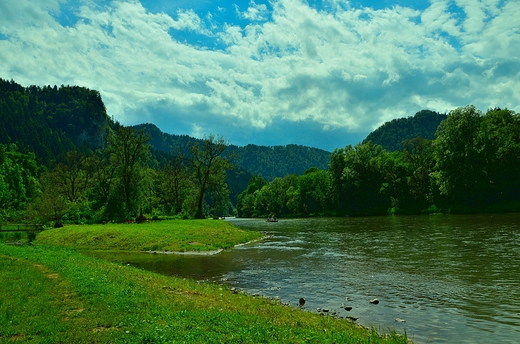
{"type": "Point", "coordinates": [51, 293]}
{"type": "Point", "coordinates": [173, 235]}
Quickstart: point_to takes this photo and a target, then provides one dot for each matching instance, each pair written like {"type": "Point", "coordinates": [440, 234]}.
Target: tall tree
{"type": "Point", "coordinates": [174, 184]}
{"type": "Point", "coordinates": [338, 185]}
{"type": "Point", "coordinates": [498, 144]}
{"type": "Point", "coordinates": [314, 191]}
{"type": "Point", "coordinates": [128, 151]}
{"type": "Point", "coordinates": [208, 164]}
{"type": "Point", "coordinates": [459, 172]}
{"type": "Point", "coordinates": [19, 184]}
{"type": "Point", "coordinates": [418, 154]}
{"type": "Point", "coordinates": [70, 176]}
{"type": "Point", "coordinates": [246, 199]}
{"type": "Point", "coordinates": [363, 179]}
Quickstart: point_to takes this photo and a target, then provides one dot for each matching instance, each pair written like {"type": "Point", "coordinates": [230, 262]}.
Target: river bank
{"type": "Point", "coordinates": [56, 294]}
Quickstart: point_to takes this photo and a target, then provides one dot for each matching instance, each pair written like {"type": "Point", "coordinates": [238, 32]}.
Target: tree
{"type": "Point", "coordinates": [314, 189]}
{"type": "Point", "coordinates": [418, 155]}
{"type": "Point", "coordinates": [102, 178]}
{"type": "Point", "coordinates": [174, 184]}
{"type": "Point", "coordinates": [53, 204]}
{"type": "Point", "coordinates": [459, 174]}
{"type": "Point", "coordinates": [70, 177]}
{"type": "Point", "coordinates": [208, 165]}
{"type": "Point", "coordinates": [363, 180]}
{"type": "Point", "coordinates": [274, 197]}
{"type": "Point", "coordinates": [19, 181]}
{"type": "Point", "coordinates": [338, 185]}
{"type": "Point", "coordinates": [128, 151]}
{"type": "Point", "coordinates": [498, 144]}
{"type": "Point", "coordinates": [246, 199]}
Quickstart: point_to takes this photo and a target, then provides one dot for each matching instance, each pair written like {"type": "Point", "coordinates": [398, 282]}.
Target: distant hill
{"type": "Point", "coordinates": [269, 162]}
{"type": "Point", "coordinates": [51, 120]}
{"type": "Point", "coordinates": [391, 134]}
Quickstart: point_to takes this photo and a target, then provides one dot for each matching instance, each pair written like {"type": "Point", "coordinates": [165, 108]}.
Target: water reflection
{"type": "Point", "coordinates": [453, 279]}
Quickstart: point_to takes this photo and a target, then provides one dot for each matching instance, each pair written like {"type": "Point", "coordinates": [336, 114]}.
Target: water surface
{"type": "Point", "coordinates": [451, 278]}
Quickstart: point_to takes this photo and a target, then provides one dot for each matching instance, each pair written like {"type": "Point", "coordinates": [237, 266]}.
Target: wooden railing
{"type": "Point", "coordinates": [26, 227]}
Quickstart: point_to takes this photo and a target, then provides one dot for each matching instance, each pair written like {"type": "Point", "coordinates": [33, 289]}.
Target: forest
{"type": "Point", "coordinates": [472, 165]}
{"type": "Point", "coordinates": [64, 160]}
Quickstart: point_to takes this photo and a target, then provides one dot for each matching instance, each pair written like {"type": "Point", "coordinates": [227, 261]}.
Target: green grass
{"type": "Point", "coordinates": [58, 295]}
{"type": "Point", "coordinates": [175, 235]}
{"type": "Point", "coordinates": [51, 293]}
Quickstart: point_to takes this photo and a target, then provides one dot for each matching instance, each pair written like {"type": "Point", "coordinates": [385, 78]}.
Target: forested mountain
{"type": "Point", "coordinates": [269, 162]}
{"type": "Point", "coordinates": [63, 159]}
{"type": "Point", "coordinates": [50, 120]}
{"type": "Point", "coordinates": [81, 163]}
{"type": "Point", "coordinates": [391, 134]}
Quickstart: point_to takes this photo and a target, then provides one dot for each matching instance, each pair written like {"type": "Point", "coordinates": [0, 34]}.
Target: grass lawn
{"type": "Point", "coordinates": [53, 294]}
{"type": "Point", "coordinates": [174, 235]}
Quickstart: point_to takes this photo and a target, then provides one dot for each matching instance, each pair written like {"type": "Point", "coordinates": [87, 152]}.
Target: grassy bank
{"type": "Point", "coordinates": [55, 294]}
{"type": "Point", "coordinates": [175, 235]}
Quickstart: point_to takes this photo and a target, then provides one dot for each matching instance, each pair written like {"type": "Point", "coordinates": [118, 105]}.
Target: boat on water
{"type": "Point", "coordinates": [272, 219]}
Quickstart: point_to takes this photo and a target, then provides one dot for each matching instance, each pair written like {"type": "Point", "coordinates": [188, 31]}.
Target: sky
{"type": "Point", "coordinates": [319, 73]}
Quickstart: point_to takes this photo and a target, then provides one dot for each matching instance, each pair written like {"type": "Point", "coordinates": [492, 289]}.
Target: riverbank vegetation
{"type": "Point", "coordinates": [87, 168]}
{"type": "Point", "coordinates": [472, 165]}
{"type": "Point", "coordinates": [57, 295]}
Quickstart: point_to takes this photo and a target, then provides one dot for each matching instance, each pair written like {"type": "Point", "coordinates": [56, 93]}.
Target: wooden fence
{"type": "Point", "coordinates": [26, 227]}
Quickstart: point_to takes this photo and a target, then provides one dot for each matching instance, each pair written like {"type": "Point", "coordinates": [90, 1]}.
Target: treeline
{"type": "Point", "coordinates": [62, 159]}
{"type": "Point", "coordinates": [472, 165]}
{"type": "Point", "coordinates": [118, 183]}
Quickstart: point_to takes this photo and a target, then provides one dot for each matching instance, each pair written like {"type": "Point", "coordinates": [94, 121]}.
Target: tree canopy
{"type": "Point", "coordinates": [62, 159]}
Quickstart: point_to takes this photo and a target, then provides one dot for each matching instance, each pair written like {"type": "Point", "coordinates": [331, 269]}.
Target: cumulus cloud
{"type": "Point", "coordinates": [337, 70]}
{"type": "Point", "coordinates": [255, 12]}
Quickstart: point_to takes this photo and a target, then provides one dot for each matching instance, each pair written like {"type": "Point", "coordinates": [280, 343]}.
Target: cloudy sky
{"type": "Point", "coordinates": [321, 73]}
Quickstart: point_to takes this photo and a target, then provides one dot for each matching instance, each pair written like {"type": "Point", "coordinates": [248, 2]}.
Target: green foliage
{"type": "Point", "coordinates": [208, 166]}
{"type": "Point", "coordinates": [246, 199]}
{"type": "Point", "coordinates": [128, 151]}
{"type": "Point", "coordinates": [279, 161]}
{"type": "Point", "coordinates": [313, 192]}
{"type": "Point", "coordinates": [50, 120]}
{"type": "Point", "coordinates": [392, 134]}
{"type": "Point", "coordinates": [19, 181]}
{"type": "Point", "coordinates": [99, 171]}
{"type": "Point", "coordinates": [459, 172]}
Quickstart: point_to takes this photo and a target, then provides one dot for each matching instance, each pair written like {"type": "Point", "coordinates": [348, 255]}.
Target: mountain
{"type": "Point", "coordinates": [391, 134]}
{"type": "Point", "coordinates": [269, 162]}
{"type": "Point", "coordinates": [51, 120]}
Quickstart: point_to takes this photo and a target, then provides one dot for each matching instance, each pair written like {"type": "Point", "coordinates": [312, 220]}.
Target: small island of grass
{"type": "Point", "coordinates": [159, 236]}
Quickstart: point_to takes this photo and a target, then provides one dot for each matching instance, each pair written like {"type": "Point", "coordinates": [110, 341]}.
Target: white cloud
{"type": "Point", "coordinates": [255, 12]}
{"type": "Point", "coordinates": [341, 68]}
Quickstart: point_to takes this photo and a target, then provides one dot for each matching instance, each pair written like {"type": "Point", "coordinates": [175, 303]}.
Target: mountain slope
{"type": "Point", "coordinates": [391, 134]}
{"type": "Point", "coordinates": [51, 120]}
{"type": "Point", "coordinates": [269, 162]}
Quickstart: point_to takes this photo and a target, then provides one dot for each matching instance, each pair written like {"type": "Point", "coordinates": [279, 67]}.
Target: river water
{"type": "Point", "coordinates": [440, 278]}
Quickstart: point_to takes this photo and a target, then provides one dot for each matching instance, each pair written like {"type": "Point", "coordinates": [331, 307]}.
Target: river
{"type": "Point", "coordinates": [440, 278]}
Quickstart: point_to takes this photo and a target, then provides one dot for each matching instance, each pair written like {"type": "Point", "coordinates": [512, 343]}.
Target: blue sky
{"type": "Point", "coordinates": [321, 73]}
